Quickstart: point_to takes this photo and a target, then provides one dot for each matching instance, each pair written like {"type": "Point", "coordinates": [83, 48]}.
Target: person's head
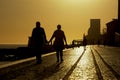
{"type": "Point", "coordinates": [58, 26]}
{"type": "Point", "coordinates": [37, 24]}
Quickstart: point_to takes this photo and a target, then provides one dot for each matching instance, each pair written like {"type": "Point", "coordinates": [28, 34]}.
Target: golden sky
{"type": "Point", "coordinates": [18, 17]}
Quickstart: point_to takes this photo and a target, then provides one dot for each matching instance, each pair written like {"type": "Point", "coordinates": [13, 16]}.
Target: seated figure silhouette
{"type": "Point", "coordinates": [58, 44]}
{"type": "Point", "coordinates": [38, 41]}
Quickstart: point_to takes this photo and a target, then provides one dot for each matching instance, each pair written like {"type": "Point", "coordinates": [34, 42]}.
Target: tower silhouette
{"type": "Point", "coordinates": [94, 31]}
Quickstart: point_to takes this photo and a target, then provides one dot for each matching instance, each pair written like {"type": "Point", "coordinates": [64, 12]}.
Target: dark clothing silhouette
{"type": "Point", "coordinates": [59, 42]}
{"type": "Point", "coordinates": [38, 41]}
{"type": "Point", "coordinates": [39, 37]}
{"type": "Point", "coordinates": [59, 37]}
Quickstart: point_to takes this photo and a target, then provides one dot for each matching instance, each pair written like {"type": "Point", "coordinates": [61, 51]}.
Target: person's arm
{"type": "Point", "coordinates": [44, 36]}
{"type": "Point", "coordinates": [65, 38]}
{"type": "Point", "coordinates": [52, 37]}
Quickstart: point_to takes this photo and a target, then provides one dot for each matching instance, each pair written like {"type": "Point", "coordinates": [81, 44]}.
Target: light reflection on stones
{"type": "Point", "coordinates": [85, 69]}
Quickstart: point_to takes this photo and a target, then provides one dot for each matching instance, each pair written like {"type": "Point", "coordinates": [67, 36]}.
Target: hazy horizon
{"type": "Point", "coordinates": [18, 17]}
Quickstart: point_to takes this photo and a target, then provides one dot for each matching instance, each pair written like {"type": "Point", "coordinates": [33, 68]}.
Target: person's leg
{"type": "Point", "coordinates": [38, 56]}
{"type": "Point", "coordinates": [61, 55]}
{"type": "Point", "coordinates": [57, 55]}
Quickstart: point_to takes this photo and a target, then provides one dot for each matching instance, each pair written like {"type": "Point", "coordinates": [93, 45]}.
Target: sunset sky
{"type": "Point", "coordinates": [18, 17]}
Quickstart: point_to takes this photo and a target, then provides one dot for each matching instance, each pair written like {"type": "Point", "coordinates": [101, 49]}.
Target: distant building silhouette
{"type": "Point", "coordinates": [113, 30]}
{"type": "Point", "coordinates": [94, 31]}
{"type": "Point", "coordinates": [118, 27]}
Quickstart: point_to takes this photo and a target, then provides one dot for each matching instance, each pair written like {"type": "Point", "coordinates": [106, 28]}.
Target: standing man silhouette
{"type": "Point", "coordinates": [59, 42]}
{"type": "Point", "coordinates": [38, 41]}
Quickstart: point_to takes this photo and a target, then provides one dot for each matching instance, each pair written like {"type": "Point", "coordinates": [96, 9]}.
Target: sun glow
{"type": "Point", "coordinates": [78, 1]}
{"type": "Point", "coordinates": [18, 17]}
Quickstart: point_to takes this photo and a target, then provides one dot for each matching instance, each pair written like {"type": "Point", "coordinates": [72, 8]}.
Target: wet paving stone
{"type": "Point", "coordinates": [85, 69]}
{"type": "Point", "coordinates": [95, 63]}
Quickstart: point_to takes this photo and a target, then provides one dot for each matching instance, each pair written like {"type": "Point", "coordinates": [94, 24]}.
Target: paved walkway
{"type": "Point", "coordinates": [48, 70]}
{"type": "Point", "coordinates": [94, 63]}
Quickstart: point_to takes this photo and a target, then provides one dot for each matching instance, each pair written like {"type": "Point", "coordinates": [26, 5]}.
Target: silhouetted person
{"type": "Point", "coordinates": [38, 41]}
{"type": "Point", "coordinates": [84, 42]}
{"type": "Point", "coordinates": [59, 42]}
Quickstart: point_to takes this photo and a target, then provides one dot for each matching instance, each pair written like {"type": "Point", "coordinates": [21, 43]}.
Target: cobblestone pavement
{"type": "Point", "coordinates": [48, 70]}
{"type": "Point", "coordinates": [98, 63]}
{"type": "Point", "coordinates": [94, 63]}
{"type": "Point", "coordinates": [108, 59]}
{"type": "Point", "coordinates": [85, 68]}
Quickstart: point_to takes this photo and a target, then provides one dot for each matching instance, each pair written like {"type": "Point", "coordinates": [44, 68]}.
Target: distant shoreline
{"type": "Point", "coordinates": [8, 46]}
